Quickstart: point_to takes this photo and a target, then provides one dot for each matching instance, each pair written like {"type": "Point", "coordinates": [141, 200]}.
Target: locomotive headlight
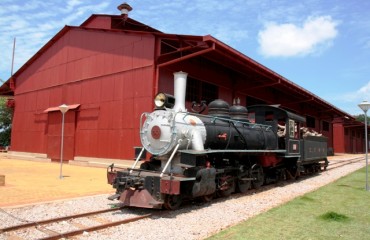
{"type": "Point", "coordinates": [159, 100]}
{"type": "Point", "coordinates": [163, 100]}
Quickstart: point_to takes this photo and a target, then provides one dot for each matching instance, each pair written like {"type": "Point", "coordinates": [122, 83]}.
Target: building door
{"type": "Point", "coordinates": [54, 134]}
{"type": "Point", "coordinates": [354, 145]}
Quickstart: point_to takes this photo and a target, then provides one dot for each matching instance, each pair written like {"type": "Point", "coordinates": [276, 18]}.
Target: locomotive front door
{"type": "Point", "coordinates": [54, 134]}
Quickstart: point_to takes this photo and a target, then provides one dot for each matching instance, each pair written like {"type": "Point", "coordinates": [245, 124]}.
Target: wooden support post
{"type": "Point", "coordinates": [2, 180]}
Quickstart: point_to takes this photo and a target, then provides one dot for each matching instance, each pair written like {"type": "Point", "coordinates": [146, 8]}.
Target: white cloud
{"type": "Point", "coordinates": [34, 23]}
{"type": "Point", "coordinates": [289, 40]}
{"type": "Point", "coordinates": [223, 20]}
{"type": "Point", "coordinates": [352, 99]}
{"type": "Point", "coordinates": [348, 101]}
{"type": "Point", "coordinates": [363, 93]}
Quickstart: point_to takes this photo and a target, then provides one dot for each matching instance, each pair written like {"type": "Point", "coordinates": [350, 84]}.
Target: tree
{"type": "Point", "coordinates": [5, 123]}
{"type": "Point", "coordinates": [361, 118]}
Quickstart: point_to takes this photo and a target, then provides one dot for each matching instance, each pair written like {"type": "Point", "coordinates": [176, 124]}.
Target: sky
{"type": "Point", "coordinates": [321, 45]}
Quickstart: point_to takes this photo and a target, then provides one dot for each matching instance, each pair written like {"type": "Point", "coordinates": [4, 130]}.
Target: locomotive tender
{"type": "Point", "coordinates": [231, 149]}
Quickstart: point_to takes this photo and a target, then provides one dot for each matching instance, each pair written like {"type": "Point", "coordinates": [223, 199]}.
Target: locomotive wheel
{"type": "Point", "coordinates": [172, 202]}
{"type": "Point", "coordinates": [292, 173]}
{"type": "Point", "coordinates": [243, 186]}
{"type": "Point", "coordinates": [207, 198]}
{"type": "Point", "coordinates": [228, 187]}
{"type": "Point", "coordinates": [259, 176]}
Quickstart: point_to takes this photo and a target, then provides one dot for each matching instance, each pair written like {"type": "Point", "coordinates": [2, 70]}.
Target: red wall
{"type": "Point", "coordinates": [347, 140]}
{"type": "Point", "coordinates": [102, 22]}
{"type": "Point", "coordinates": [338, 138]}
{"type": "Point", "coordinates": [109, 74]}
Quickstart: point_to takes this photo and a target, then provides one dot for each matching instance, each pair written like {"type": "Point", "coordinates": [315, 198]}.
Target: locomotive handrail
{"type": "Point", "coordinates": [141, 121]}
{"type": "Point", "coordinates": [243, 140]}
{"type": "Point", "coordinates": [214, 118]}
{"type": "Point", "coordinates": [206, 151]}
{"type": "Point", "coordinates": [137, 159]}
{"type": "Point", "coordinates": [170, 159]}
{"type": "Point", "coordinates": [141, 170]}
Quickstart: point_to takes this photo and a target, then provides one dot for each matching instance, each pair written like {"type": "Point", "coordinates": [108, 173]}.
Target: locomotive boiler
{"type": "Point", "coordinates": [201, 156]}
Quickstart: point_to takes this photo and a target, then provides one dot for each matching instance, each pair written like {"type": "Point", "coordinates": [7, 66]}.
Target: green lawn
{"type": "Point", "coordinates": [340, 210]}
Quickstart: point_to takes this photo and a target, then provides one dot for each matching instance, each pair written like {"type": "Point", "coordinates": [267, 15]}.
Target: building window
{"type": "Point", "coordinates": [325, 126]}
{"type": "Point", "coordinates": [199, 91]}
{"type": "Point", "coordinates": [310, 122]}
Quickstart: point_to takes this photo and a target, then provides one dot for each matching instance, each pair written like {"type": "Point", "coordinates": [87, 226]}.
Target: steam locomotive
{"type": "Point", "coordinates": [231, 149]}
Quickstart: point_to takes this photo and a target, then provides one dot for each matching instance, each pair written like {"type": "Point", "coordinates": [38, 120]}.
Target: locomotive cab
{"type": "Point", "coordinates": [285, 124]}
{"type": "Point", "coordinates": [302, 149]}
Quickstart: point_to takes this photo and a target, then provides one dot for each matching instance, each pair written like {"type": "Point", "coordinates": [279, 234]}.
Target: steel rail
{"type": "Point", "coordinates": [38, 223]}
{"type": "Point", "coordinates": [95, 228]}
{"type": "Point", "coordinates": [337, 162]}
{"type": "Point", "coordinates": [344, 163]}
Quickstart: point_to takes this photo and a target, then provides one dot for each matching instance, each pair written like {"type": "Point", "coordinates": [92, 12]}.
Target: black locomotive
{"type": "Point", "coordinates": [231, 149]}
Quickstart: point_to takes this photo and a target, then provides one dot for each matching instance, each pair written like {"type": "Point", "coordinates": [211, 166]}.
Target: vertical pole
{"type": "Point", "coordinates": [365, 105]}
{"type": "Point", "coordinates": [61, 147]}
{"type": "Point", "coordinates": [11, 74]}
{"type": "Point", "coordinates": [366, 150]}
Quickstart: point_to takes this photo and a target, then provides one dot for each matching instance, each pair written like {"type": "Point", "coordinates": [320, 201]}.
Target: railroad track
{"type": "Point", "coordinates": [48, 233]}
{"type": "Point", "coordinates": [52, 234]}
{"type": "Point", "coordinates": [341, 163]}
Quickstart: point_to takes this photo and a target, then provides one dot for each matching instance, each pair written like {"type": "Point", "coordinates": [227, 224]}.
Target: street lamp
{"type": "Point", "coordinates": [63, 109]}
{"type": "Point", "coordinates": [365, 105]}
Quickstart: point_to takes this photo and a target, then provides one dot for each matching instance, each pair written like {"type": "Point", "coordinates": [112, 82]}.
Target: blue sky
{"type": "Point", "coordinates": [321, 45]}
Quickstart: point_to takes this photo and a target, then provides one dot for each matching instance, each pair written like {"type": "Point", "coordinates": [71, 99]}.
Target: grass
{"type": "Point", "coordinates": [340, 210]}
{"type": "Point", "coordinates": [333, 216]}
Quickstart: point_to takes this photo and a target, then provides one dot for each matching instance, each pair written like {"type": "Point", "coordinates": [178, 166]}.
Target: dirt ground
{"type": "Point", "coordinates": [30, 182]}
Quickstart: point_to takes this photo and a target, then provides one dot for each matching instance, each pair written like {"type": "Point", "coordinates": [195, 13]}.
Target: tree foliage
{"type": "Point", "coordinates": [361, 118]}
{"type": "Point", "coordinates": [5, 123]}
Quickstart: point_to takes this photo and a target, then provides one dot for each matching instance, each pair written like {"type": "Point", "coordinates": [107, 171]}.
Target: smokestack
{"type": "Point", "coordinates": [180, 91]}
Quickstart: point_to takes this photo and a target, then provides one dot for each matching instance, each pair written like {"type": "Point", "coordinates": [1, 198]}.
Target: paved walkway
{"type": "Point", "coordinates": [29, 182]}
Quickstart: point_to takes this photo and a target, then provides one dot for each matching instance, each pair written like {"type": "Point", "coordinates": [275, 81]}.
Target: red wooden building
{"type": "Point", "coordinates": [108, 69]}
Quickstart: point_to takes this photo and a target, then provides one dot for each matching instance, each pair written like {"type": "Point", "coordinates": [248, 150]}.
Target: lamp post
{"type": "Point", "coordinates": [63, 109]}
{"type": "Point", "coordinates": [365, 105]}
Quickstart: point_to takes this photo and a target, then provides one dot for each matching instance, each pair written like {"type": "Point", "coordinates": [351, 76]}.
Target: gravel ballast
{"type": "Point", "coordinates": [193, 221]}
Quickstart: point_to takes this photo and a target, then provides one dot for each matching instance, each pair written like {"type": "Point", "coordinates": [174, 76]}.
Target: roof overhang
{"type": "Point", "coordinates": [7, 89]}
{"type": "Point", "coordinates": [220, 53]}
